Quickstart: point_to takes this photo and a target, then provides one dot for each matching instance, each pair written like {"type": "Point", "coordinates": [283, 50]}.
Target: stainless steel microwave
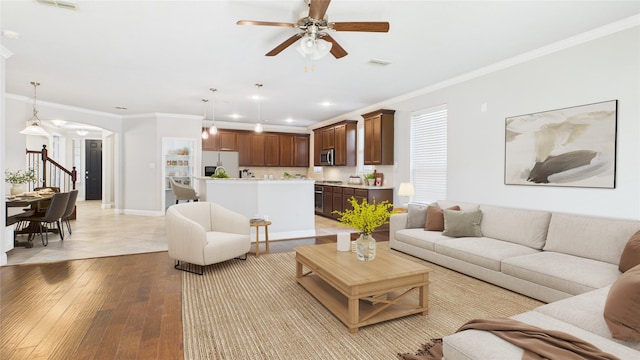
{"type": "Point", "coordinates": [326, 157]}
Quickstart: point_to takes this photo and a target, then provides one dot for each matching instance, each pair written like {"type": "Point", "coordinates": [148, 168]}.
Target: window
{"type": "Point", "coordinates": [428, 154]}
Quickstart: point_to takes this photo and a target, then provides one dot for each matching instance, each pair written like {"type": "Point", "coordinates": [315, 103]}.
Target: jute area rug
{"type": "Point", "coordinates": [254, 309]}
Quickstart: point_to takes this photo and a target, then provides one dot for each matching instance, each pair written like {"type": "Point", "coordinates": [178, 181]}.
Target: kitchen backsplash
{"type": "Point", "coordinates": [335, 173]}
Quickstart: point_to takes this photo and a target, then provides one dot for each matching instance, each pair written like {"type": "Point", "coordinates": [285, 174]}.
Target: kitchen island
{"type": "Point", "coordinates": [288, 204]}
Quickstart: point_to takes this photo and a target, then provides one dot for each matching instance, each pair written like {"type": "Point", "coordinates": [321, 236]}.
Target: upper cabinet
{"type": "Point", "coordinates": [272, 149]}
{"type": "Point", "coordinates": [224, 140]}
{"type": "Point", "coordinates": [342, 138]}
{"type": "Point", "coordinates": [378, 137]}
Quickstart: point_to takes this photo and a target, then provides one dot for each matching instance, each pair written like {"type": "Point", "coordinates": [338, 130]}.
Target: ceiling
{"type": "Point", "coordinates": [164, 56]}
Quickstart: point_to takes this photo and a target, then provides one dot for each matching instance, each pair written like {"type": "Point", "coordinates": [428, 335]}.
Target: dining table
{"type": "Point", "coordinates": [25, 205]}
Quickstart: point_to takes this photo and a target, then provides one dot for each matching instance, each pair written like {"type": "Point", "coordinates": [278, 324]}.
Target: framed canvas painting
{"type": "Point", "coordinates": [574, 146]}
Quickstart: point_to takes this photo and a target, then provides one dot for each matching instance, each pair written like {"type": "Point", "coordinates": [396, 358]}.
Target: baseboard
{"type": "Point", "coordinates": [140, 212]}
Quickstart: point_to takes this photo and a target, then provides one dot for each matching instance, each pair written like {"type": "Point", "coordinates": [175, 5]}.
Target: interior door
{"type": "Point", "coordinates": [93, 170]}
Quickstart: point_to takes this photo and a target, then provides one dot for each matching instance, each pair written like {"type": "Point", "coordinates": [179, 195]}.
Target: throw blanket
{"type": "Point", "coordinates": [537, 343]}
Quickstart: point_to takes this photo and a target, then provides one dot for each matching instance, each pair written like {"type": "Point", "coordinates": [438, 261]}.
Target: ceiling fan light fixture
{"type": "Point", "coordinates": [323, 47]}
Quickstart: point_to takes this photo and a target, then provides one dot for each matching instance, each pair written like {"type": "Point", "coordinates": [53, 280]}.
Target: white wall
{"type": "Point", "coordinates": [607, 68]}
{"type": "Point", "coordinates": [142, 191]}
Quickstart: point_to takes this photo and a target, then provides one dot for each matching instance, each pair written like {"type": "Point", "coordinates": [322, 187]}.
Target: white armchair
{"type": "Point", "coordinates": [204, 233]}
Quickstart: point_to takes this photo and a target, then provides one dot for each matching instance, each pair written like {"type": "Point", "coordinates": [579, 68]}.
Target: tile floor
{"type": "Point", "coordinates": [100, 232]}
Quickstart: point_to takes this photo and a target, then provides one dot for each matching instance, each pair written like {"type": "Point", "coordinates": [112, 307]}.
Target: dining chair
{"type": "Point", "coordinates": [71, 206]}
{"type": "Point", "coordinates": [53, 214]}
{"type": "Point", "coordinates": [182, 192]}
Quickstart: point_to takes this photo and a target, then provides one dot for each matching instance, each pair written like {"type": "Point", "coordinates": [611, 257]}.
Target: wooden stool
{"type": "Point", "coordinates": [257, 223]}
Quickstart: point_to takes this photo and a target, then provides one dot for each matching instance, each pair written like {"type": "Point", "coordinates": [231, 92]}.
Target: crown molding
{"type": "Point", "coordinates": [52, 105]}
{"type": "Point", "coordinates": [600, 32]}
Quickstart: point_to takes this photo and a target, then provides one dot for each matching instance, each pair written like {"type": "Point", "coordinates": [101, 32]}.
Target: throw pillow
{"type": "Point", "coordinates": [631, 253]}
{"type": "Point", "coordinates": [462, 223]}
{"type": "Point", "coordinates": [622, 308]}
{"type": "Point", "coordinates": [416, 215]}
{"type": "Point", "coordinates": [435, 218]}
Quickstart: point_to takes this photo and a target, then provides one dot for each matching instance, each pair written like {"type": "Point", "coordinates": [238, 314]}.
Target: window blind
{"type": "Point", "coordinates": [428, 154]}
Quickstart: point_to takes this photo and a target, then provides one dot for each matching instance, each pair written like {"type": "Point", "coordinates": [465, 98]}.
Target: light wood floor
{"type": "Point", "coordinates": [116, 307]}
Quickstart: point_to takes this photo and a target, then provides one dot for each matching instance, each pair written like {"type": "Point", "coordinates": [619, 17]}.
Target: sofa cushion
{"type": "Point", "coordinates": [481, 251]}
{"type": "Point", "coordinates": [585, 311]}
{"type": "Point", "coordinates": [435, 218]}
{"type": "Point", "coordinates": [525, 227]}
{"type": "Point", "coordinates": [416, 216]}
{"type": "Point", "coordinates": [590, 237]}
{"type": "Point", "coordinates": [631, 253]}
{"type": "Point", "coordinates": [622, 308]}
{"type": "Point", "coordinates": [570, 274]}
{"type": "Point", "coordinates": [462, 223]}
{"type": "Point", "coordinates": [420, 238]}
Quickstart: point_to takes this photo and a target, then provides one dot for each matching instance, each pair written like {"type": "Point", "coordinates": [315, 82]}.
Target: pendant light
{"type": "Point", "coordinates": [213, 129]}
{"type": "Point", "coordinates": [205, 133]}
{"type": "Point", "coordinates": [258, 127]}
{"type": "Point", "coordinates": [34, 128]}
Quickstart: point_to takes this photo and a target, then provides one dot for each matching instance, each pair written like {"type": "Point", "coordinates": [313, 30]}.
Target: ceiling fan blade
{"type": "Point", "coordinates": [285, 44]}
{"type": "Point", "coordinates": [360, 26]}
{"type": "Point", "coordinates": [336, 50]}
{"type": "Point", "coordinates": [265, 23]}
{"type": "Point", "coordinates": [318, 9]}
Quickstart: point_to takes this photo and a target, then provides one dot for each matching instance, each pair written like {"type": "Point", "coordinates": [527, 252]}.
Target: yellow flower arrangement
{"type": "Point", "coordinates": [365, 217]}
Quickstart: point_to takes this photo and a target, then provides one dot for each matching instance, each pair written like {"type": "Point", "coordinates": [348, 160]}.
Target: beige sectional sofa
{"type": "Point", "coordinates": [568, 261]}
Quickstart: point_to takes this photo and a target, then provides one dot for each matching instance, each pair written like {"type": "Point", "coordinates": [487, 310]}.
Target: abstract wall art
{"type": "Point", "coordinates": [574, 146]}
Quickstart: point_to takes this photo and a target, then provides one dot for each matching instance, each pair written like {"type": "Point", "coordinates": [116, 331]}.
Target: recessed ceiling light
{"type": "Point", "coordinates": [326, 103]}
{"type": "Point", "coordinates": [379, 62]}
{"type": "Point", "coordinates": [289, 120]}
{"type": "Point", "coordinates": [235, 116]}
{"type": "Point", "coordinates": [10, 34]}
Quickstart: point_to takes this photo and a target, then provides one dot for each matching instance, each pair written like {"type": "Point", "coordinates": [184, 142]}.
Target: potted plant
{"type": "Point", "coordinates": [370, 179]}
{"type": "Point", "coordinates": [18, 178]}
{"type": "Point", "coordinates": [365, 218]}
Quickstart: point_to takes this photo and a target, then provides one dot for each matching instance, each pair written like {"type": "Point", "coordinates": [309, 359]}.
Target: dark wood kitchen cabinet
{"type": "Point", "coordinates": [271, 149]}
{"type": "Point", "coordinates": [224, 140]}
{"type": "Point", "coordinates": [300, 151]}
{"type": "Point", "coordinates": [378, 137]}
{"type": "Point", "coordinates": [250, 149]}
{"type": "Point", "coordinates": [286, 150]}
{"type": "Point", "coordinates": [342, 138]}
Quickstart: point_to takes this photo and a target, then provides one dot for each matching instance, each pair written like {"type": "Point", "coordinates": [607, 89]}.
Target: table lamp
{"type": "Point", "coordinates": [406, 189]}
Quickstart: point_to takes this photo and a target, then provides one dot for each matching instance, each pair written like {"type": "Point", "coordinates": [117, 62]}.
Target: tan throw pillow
{"type": "Point", "coordinates": [435, 218]}
{"type": "Point", "coordinates": [631, 253]}
{"type": "Point", "coordinates": [416, 215]}
{"type": "Point", "coordinates": [462, 223]}
{"type": "Point", "coordinates": [622, 308]}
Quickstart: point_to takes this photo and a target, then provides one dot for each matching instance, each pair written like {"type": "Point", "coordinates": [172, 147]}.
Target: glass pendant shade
{"type": "Point", "coordinates": [314, 48]}
{"type": "Point", "coordinates": [205, 134]}
{"type": "Point", "coordinates": [213, 130]}
{"type": "Point", "coordinates": [258, 128]}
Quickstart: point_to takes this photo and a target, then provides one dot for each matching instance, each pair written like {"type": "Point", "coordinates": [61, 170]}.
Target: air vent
{"type": "Point", "coordinates": [65, 4]}
{"type": "Point", "coordinates": [379, 62]}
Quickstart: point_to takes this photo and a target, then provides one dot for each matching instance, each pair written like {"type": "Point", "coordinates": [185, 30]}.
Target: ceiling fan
{"type": "Point", "coordinates": [314, 29]}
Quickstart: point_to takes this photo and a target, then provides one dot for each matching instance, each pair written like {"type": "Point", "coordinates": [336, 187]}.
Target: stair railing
{"type": "Point", "coordinates": [49, 172]}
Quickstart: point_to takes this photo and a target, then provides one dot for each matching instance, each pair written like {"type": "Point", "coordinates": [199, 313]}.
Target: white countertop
{"type": "Point", "coordinates": [356, 186]}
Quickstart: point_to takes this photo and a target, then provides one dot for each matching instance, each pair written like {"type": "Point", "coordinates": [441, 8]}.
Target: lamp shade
{"type": "Point", "coordinates": [34, 129]}
{"type": "Point", "coordinates": [406, 189]}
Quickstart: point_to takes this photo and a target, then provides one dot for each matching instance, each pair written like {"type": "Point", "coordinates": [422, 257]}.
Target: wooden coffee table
{"type": "Point", "coordinates": [352, 289]}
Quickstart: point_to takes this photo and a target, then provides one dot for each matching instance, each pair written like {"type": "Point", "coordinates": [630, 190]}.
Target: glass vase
{"type": "Point", "coordinates": [366, 247]}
